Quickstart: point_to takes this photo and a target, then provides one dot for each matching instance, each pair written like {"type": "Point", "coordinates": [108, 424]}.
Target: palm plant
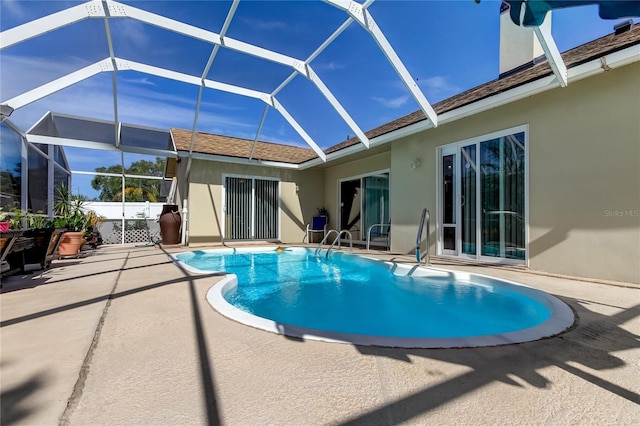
{"type": "Point", "coordinates": [69, 210]}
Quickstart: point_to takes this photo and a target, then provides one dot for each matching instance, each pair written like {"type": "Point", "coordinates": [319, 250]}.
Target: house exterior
{"type": "Point", "coordinates": [518, 171]}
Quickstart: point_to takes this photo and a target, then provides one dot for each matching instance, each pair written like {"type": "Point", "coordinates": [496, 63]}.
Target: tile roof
{"type": "Point", "coordinates": [241, 148]}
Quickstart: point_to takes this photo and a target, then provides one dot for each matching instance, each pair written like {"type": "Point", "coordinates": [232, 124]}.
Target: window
{"type": "Point", "coordinates": [38, 181]}
{"type": "Point", "coordinates": [10, 167]}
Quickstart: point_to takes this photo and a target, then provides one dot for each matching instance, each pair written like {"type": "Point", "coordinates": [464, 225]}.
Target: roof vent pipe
{"type": "Point", "coordinates": [623, 27]}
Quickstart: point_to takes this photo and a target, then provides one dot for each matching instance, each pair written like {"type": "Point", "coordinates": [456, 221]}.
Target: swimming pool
{"type": "Point", "coordinates": [349, 298]}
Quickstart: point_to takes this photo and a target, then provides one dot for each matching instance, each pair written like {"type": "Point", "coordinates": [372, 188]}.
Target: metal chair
{"type": "Point", "coordinates": [383, 235]}
{"type": "Point", "coordinates": [318, 226]}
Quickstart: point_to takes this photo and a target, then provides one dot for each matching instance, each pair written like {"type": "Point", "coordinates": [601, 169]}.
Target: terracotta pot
{"type": "Point", "coordinates": [170, 222]}
{"type": "Point", "coordinates": [70, 243]}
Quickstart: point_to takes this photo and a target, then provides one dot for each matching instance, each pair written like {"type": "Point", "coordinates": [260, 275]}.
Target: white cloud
{"type": "Point", "coordinates": [133, 32]}
{"type": "Point", "coordinates": [14, 9]}
{"type": "Point", "coordinates": [143, 80]}
{"type": "Point", "coordinates": [329, 66]}
{"type": "Point", "coordinates": [438, 88]}
{"type": "Point", "coordinates": [22, 73]}
{"type": "Point", "coordinates": [396, 102]}
{"type": "Point", "coordinates": [266, 25]}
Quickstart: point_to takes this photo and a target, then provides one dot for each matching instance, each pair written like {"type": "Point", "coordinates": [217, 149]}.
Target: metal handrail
{"type": "Point", "coordinates": [381, 225]}
{"type": "Point", "coordinates": [344, 231]}
{"type": "Point", "coordinates": [424, 217]}
{"type": "Point", "coordinates": [324, 240]}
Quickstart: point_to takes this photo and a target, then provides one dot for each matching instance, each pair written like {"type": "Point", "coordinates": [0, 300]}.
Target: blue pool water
{"type": "Point", "coordinates": [354, 295]}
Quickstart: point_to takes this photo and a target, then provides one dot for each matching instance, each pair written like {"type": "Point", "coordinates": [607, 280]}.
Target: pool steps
{"type": "Point", "coordinates": [337, 239]}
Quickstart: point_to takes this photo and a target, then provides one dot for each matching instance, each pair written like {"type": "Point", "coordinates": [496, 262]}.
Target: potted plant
{"type": "Point", "coordinates": [11, 219]}
{"type": "Point", "coordinates": [70, 215]}
{"type": "Point", "coordinates": [4, 221]}
{"type": "Point", "coordinates": [92, 235]}
{"type": "Point", "coordinates": [322, 211]}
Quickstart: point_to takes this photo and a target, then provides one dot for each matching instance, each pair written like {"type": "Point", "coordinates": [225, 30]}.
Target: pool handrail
{"type": "Point", "coordinates": [344, 231]}
{"type": "Point", "coordinates": [324, 240]}
{"type": "Point", "coordinates": [424, 217]}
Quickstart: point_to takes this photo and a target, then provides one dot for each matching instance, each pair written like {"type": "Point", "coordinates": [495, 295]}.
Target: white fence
{"type": "Point", "coordinates": [139, 221]}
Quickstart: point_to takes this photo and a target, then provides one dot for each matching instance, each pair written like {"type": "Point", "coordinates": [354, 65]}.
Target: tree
{"type": "Point", "coordinates": [136, 189]}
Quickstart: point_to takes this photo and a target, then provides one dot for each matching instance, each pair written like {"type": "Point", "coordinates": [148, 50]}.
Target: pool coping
{"type": "Point", "coordinates": [562, 316]}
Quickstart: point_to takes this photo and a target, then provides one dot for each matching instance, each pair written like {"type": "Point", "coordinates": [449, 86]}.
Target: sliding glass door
{"type": "Point", "coordinates": [375, 201]}
{"type": "Point", "coordinates": [364, 201]}
{"type": "Point", "coordinates": [503, 197]}
{"type": "Point", "coordinates": [251, 208]}
{"type": "Point", "coordinates": [482, 198]}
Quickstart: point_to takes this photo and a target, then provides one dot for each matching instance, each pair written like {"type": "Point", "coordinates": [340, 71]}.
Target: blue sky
{"type": "Point", "coordinates": [448, 46]}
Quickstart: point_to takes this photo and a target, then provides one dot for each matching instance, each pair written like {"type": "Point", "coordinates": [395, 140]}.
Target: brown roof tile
{"type": "Point", "coordinates": [236, 147]}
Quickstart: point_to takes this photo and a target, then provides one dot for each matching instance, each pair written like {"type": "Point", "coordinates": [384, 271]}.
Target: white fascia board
{"type": "Point", "coordinates": [337, 106]}
{"type": "Point", "coordinates": [552, 53]}
{"type": "Point", "coordinates": [92, 9]}
{"type": "Point", "coordinates": [50, 140]}
{"type": "Point", "coordinates": [359, 13]}
{"type": "Point", "coordinates": [120, 10]}
{"type": "Point", "coordinates": [236, 160]}
{"type": "Point", "coordinates": [282, 110]}
{"type": "Point", "coordinates": [612, 61]}
{"type": "Point", "coordinates": [59, 84]}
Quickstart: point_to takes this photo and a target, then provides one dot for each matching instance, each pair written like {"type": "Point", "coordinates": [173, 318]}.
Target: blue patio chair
{"type": "Point", "coordinates": [318, 226]}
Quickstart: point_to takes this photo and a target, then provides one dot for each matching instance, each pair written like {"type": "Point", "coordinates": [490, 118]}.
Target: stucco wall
{"type": "Point", "coordinates": [301, 196]}
{"type": "Point", "coordinates": [584, 182]}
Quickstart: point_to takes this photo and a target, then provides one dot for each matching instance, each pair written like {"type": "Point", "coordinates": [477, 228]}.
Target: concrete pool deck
{"type": "Point", "coordinates": [123, 336]}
